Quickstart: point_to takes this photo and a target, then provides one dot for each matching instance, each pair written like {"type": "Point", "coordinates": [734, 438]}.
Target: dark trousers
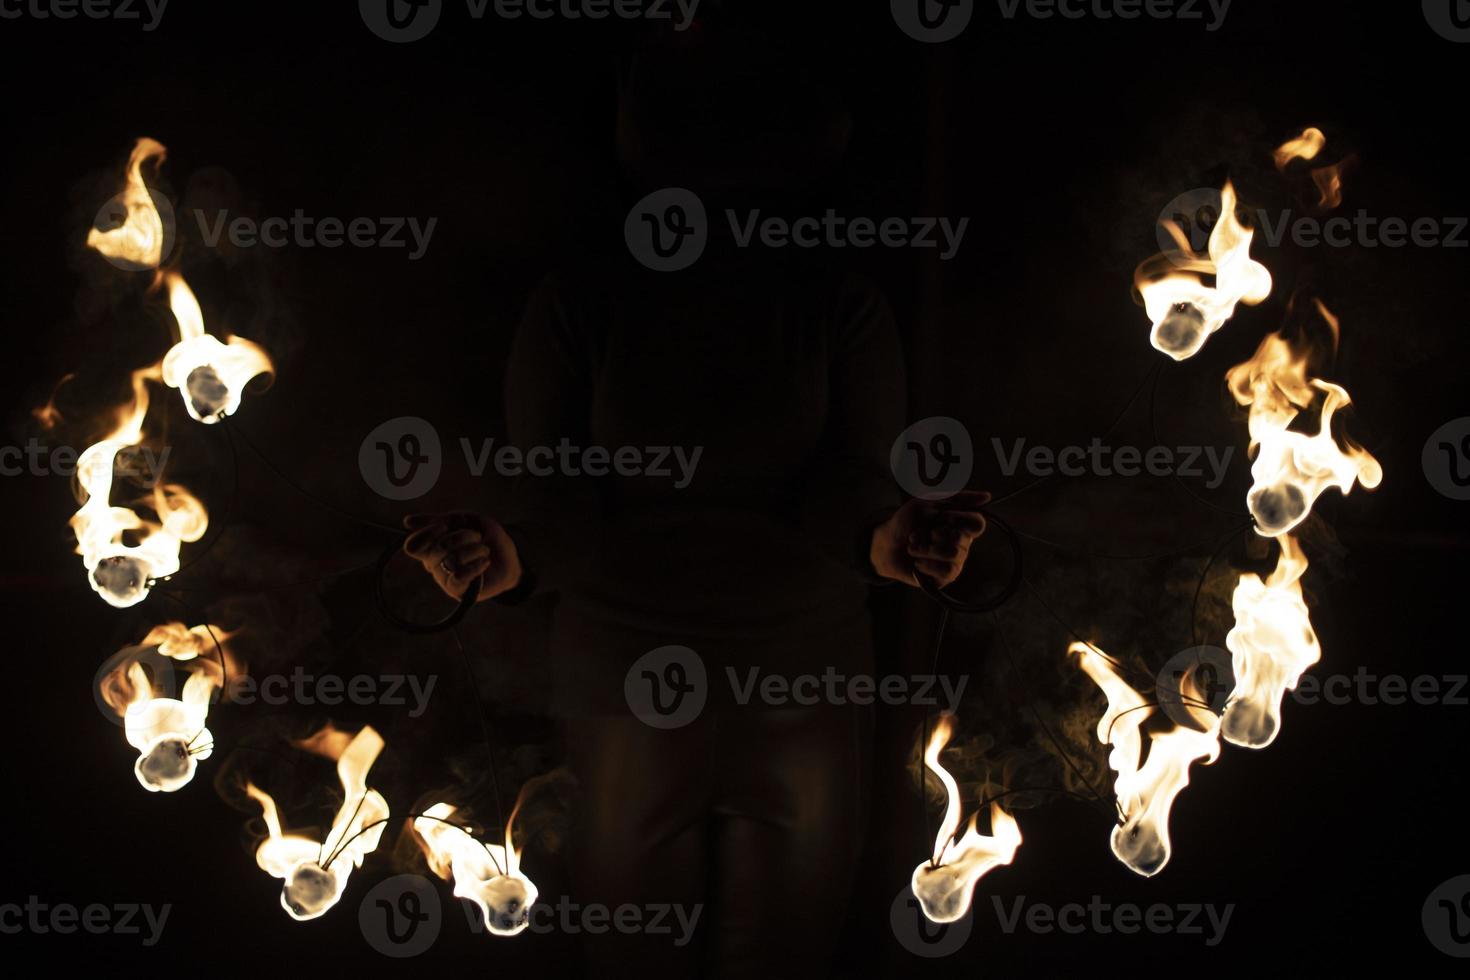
{"type": "Point", "coordinates": [753, 820]}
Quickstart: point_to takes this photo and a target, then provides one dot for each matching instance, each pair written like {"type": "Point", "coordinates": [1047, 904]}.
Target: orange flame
{"type": "Point", "coordinates": [1306, 147]}
{"type": "Point", "coordinates": [486, 874]}
{"type": "Point", "coordinates": [122, 573]}
{"type": "Point", "coordinates": [1292, 469]}
{"type": "Point", "coordinates": [315, 875]}
{"type": "Point", "coordinates": [1272, 645]}
{"type": "Point", "coordinates": [169, 733]}
{"type": "Point", "coordinates": [1184, 311]}
{"type": "Point", "coordinates": [945, 885]}
{"type": "Point", "coordinates": [1146, 789]}
{"type": "Point", "coordinates": [139, 239]}
{"type": "Point", "coordinates": [210, 375]}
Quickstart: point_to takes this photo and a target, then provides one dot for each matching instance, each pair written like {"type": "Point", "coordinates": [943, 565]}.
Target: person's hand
{"type": "Point", "coordinates": [459, 547]}
{"type": "Point", "coordinates": [931, 538]}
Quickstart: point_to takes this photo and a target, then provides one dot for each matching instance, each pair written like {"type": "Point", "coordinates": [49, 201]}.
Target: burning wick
{"type": "Point", "coordinates": [1183, 310]}
{"type": "Point", "coordinates": [210, 375]}
{"type": "Point", "coordinates": [945, 884]}
{"type": "Point", "coordinates": [121, 573]}
{"type": "Point", "coordinates": [170, 734]}
{"type": "Point", "coordinates": [485, 874]}
{"type": "Point", "coordinates": [1146, 789]}
{"type": "Point", "coordinates": [315, 875]}
{"type": "Point", "coordinates": [1292, 469]}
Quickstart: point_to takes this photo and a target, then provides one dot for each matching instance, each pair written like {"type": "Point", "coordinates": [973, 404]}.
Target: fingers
{"type": "Point", "coordinates": [944, 544]}
{"type": "Point", "coordinates": [421, 541]}
{"type": "Point", "coordinates": [434, 542]}
{"type": "Point", "coordinates": [942, 572]}
{"type": "Point", "coordinates": [464, 577]}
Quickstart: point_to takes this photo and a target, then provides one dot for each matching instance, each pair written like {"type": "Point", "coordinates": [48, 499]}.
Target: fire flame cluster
{"type": "Point", "coordinates": [124, 552]}
{"type": "Point", "coordinates": [1272, 642]}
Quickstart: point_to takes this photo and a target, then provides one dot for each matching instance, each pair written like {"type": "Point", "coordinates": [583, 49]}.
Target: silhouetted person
{"type": "Point", "coordinates": [788, 376]}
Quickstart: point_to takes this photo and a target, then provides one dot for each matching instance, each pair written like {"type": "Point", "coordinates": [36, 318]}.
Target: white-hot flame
{"type": "Point", "coordinates": [1183, 309]}
{"type": "Point", "coordinates": [315, 874]}
{"type": "Point", "coordinates": [169, 733]}
{"type": "Point", "coordinates": [139, 239]}
{"type": "Point", "coordinates": [1272, 645]}
{"type": "Point", "coordinates": [1146, 789]}
{"type": "Point", "coordinates": [1293, 468]}
{"type": "Point", "coordinates": [486, 874]}
{"type": "Point", "coordinates": [210, 375]}
{"type": "Point", "coordinates": [945, 885]}
{"type": "Point", "coordinates": [119, 571]}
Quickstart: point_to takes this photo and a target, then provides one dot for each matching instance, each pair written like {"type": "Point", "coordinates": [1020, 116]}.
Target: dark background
{"type": "Point", "coordinates": [1060, 140]}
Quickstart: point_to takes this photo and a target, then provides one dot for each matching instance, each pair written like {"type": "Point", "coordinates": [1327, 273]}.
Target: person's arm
{"type": "Point", "coordinates": [853, 508]}
{"type": "Point", "coordinates": [552, 517]}
{"type": "Point", "coordinates": [849, 487]}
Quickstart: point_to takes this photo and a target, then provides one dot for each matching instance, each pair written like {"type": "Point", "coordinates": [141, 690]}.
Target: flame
{"type": "Point", "coordinates": [486, 874]}
{"type": "Point", "coordinates": [310, 887]}
{"type": "Point", "coordinates": [169, 734]}
{"type": "Point", "coordinates": [1291, 468]}
{"type": "Point", "coordinates": [139, 239]}
{"type": "Point", "coordinates": [123, 573]}
{"type": "Point", "coordinates": [1306, 147]}
{"type": "Point", "coordinates": [1184, 311]}
{"type": "Point", "coordinates": [210, 375]}
{"type": "Point", "coordinates": [1303, 147]}
{"type": "Point", "coordinates": [1146, 789]}
{"type": "Point", "coordinates": [1272, 645]}
{"type": "Point", "coordinates": [945, 885]}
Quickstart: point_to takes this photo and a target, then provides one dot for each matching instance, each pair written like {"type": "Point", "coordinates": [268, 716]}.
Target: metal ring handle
{"type": "Point", "coordinates": [466, 601]}
{"type": "Point", "coordinates": [936, 592]}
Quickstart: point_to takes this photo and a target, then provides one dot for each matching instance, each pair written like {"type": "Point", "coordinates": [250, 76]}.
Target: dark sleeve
{"type": "Point", "coordinates": [850, 489]}
{"type": "Point", "coordinates": [548, 390]}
